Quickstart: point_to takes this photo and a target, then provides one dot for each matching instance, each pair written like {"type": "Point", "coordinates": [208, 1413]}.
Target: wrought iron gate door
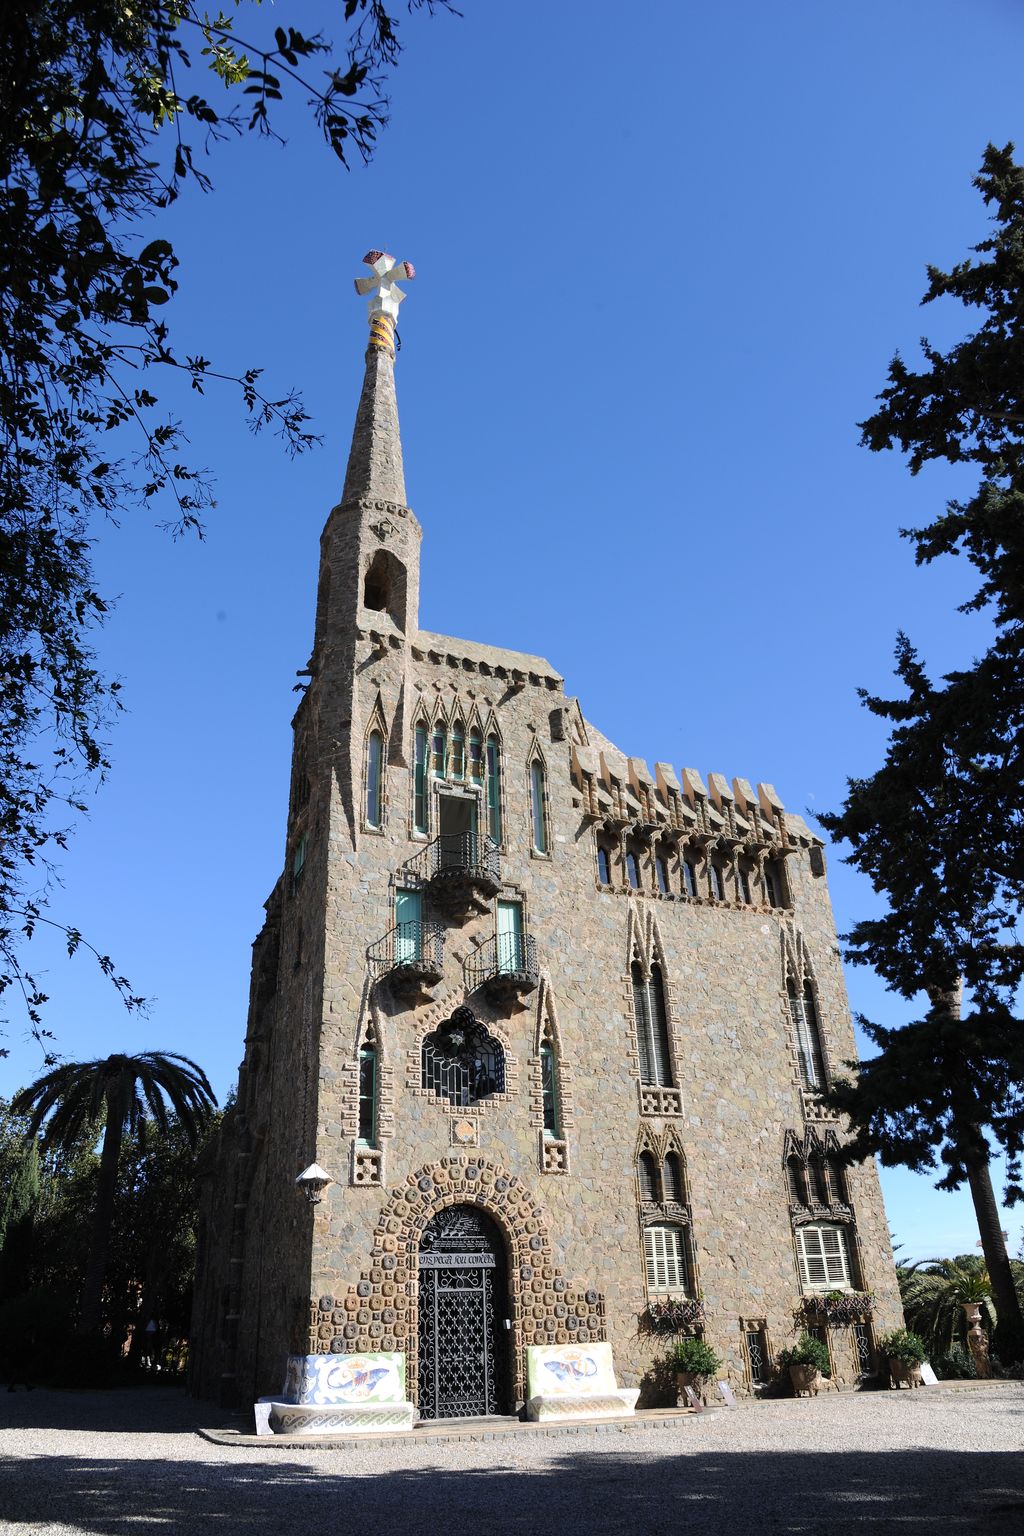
{"type": "Point", "coordinates": [462, 1341]}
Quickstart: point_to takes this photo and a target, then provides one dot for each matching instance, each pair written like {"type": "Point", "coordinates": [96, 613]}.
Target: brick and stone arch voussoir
{"type": "Point", "coordinates": [379, 1311]}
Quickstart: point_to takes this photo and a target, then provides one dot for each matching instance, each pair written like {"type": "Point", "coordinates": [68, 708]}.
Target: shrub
{"type": "Point", "coordinates": [694, 1357]}
{"type": "Point", "coordinates": [904, 1346]}
{"type": "Point", "coordinates": [807, 1351]}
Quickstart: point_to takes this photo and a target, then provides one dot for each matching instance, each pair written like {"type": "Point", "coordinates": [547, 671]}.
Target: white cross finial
{"type": "Point", "coordinates": [386, 294]}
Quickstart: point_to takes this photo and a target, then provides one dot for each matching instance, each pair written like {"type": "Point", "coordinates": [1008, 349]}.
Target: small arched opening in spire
{"type": "Point", "coordinates": [385, 586]}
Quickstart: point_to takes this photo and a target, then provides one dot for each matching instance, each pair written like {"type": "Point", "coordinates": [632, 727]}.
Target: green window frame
{"type": "Point", "coordinates": [368, 1096]}
{"type": "Point", "coordinates": [538, 807]}
{"type": "Point", "coordinates": [375, 780]}
{"type": "Point", "coordinates": [549, 1089]}
{"type": "Point", "coordinates": [419, 809]}
{"type": "Point", "coordinates": [494, 789]}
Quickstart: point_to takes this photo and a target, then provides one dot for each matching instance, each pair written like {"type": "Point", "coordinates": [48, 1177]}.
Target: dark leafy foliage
{"type": "Point", "coordinates": [939, 828]}
{"type": "Point", "coordinates": [104, 120]}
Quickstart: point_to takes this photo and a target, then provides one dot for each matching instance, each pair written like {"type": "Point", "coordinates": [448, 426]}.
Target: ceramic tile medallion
{"type": "Point", "coordinates": [366, 1378]}
{"type": "Point", "coordinates": [569, 1370]}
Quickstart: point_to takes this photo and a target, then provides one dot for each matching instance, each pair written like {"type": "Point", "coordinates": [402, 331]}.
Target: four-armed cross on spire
{"type": "Point", "coordinates": [384, 286]}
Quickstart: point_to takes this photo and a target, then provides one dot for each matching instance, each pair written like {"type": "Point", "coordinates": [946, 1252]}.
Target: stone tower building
{"type": "Point", "coordinates": [550, 1029]}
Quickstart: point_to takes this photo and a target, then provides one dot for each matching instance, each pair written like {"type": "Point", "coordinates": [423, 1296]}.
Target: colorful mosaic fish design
{"type": "Point", "coordinates": [573, 1369]}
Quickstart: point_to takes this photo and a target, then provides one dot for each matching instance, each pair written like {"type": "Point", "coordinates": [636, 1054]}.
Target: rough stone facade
{"type": "Point", "coordinates": [713, 886]}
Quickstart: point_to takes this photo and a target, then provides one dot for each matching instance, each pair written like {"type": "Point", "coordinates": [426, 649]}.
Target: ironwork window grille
{"type": "Point", "coordinates": [862, 1345]}
{"type": "Point", "coordinates": [368, 1095]}
{"type": "Point", "coordinates": [666, 1259]}
{"type": "Point", "coordinates": [538, 807]}
{"type": "Point", "coordinates": [689, 879]}
{"type": "Point", "coordinates": [808, 1035]}
{"type": "Point", "coordinates": [461, 1061]}
{"type": "Point", "coordinates": [419, 814]}
{"type": "Point", "coordinates": [652, 1027]}
{"type": "Point", "coordinates": [824, 1254]}
{"type": "Point", "coordinates": [757, 1355]}
{"type": "Point", "coordinates": [374, 779]}
{"type": "Point", "coordinates": [647, 1171]}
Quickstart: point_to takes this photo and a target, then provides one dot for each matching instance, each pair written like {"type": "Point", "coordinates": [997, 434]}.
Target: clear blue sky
{"type": "Point", "coordinates": [665, 251]}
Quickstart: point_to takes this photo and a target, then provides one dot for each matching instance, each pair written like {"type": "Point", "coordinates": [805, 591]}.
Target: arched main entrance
{"type": "Point", "coordinates": [463, 1308]}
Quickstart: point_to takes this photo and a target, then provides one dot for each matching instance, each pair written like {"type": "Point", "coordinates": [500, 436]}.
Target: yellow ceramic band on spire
{"type": "Point", "coordinates": [382, 332]}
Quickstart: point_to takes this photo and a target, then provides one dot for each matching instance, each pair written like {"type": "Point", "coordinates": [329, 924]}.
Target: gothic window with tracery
{"type": "Point", "coordinates": [651, 1018]}
{"type": "Point", "coordinates": [804, 1014]}
{"type": "Point", "coordinates": [461, 1061]}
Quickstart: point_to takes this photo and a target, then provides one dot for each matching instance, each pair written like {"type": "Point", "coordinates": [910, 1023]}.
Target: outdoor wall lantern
{"type": "Point", "coordinates": [313, 1181]}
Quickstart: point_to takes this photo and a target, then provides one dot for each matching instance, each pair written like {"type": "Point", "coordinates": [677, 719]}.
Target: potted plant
{"type": "Point", "coordinates": [806, 1363]}
{"type": "Point", "coordinates": [905, 1351]}
{"type": "Point", "coordinates": [693, 1362]}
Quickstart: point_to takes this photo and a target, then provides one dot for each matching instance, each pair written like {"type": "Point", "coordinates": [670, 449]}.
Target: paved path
{"type": "Point", "coordinates": [131, 1464]}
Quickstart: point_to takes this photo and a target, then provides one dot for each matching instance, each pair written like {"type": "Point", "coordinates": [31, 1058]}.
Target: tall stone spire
{"type": "Point", "coordinates": [375, 466]}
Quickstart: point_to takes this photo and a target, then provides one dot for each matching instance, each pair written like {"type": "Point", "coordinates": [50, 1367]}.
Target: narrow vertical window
{"type": "Point", "coordinates": [440, 749]}
{"type": "Point", "coordinates": [549, 1086]}
{"type": "Point", "coordinates": [368, 1095]}
{"type": "Point", "coordinates": [689, 879]}
{"type": "Point", "coordinates": [419, 813]}
{"type": "Point", "coordinates": [632, 869]}
{"type": "Point", "coordinates": [795, 1177]}
{"type": "Point", "coordinates": [743, 884]}
{"type": "Point", "coordinates": [408, 927]}
{"type": "Point", "coordinates": [298, 861]}
{"type": "Point", "coordinates": [672, 1178]}
{"type": "Point", "coordinates": [647, 1172]}
{"type": "Point", "coordinates": [476, 757]}
{"type": "Point", "coordinates": [774, 893]}
{"type": "Point", "coordinates": [818, 1180]}
{"type": "Point", "coordinates": [493, 789]}
{"type": "Point", "coordinates": [538, 807]}
{"type": "Point", "coordinates": [458, 750]}
{"type": "Point", "coordinates": [604, 865]}
{"type": "Point", "coordinates": [651, 1027]}
{"type": "Point", "coordinates": [715, 876]}
{"type": "Point", "coordinates": [808, 1038]}
{"type": "Point", "coordinates": [374, 785]}
{"type": "Point", "coordinates": [661, 869]}
{"type": "Point", "coordinates": [510, 937]}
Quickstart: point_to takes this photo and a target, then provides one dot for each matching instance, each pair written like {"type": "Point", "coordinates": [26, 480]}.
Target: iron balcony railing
{"type": "Point", "coordinates": [414, 946]}
{"type": "Point", "coordinates": [508, 954]}
{"type": "Point", "coordinates": [460, 854]}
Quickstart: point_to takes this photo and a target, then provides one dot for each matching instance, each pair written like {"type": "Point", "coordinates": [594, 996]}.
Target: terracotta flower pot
{"type": "Point", "coordinates": [905, 1373]}
{"type": "Point", "coordinates": [805, 1378]}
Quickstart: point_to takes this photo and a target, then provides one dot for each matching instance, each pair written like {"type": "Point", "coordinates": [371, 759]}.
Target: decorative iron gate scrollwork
{"type": "Point", "coordinates": [463, 1296]}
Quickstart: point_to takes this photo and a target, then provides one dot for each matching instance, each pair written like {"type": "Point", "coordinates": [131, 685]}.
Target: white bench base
{"type": "Point", "coordinates": [333, 1418]}
{"type": "Point", "coordinates": [617, 1404]}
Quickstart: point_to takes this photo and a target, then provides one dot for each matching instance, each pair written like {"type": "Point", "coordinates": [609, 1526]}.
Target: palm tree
{"type": "Point", "coordinates": [121, 1092]}
{"type": "Point", "coordinates": [934, 1292]}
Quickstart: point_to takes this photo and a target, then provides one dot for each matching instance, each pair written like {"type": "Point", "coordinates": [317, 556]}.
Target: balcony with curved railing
{"type": "Point", "coordinates": [410, 957]}
{"type": "Point", "coordinates": [460, 867]}
{"type": "Point", "coordinates": [505, 967]}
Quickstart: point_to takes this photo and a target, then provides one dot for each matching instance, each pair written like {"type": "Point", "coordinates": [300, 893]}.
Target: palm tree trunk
{"type": "Point", "coordinates": [974, 1154]}
{"type": "Point", "coordinates": [90, 1314]}
{"type": "Point", "coordinates": [1010, 1324]}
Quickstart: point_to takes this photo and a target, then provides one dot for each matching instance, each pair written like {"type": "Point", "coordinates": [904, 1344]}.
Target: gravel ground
{"type": "Point", "coordinates": [131, 1464]}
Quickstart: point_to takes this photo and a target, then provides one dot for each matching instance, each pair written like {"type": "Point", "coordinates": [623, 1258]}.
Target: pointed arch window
{"type": "Point", "coordinates": [440, 750]}
{"type": "Point", "coordinates": [804, 1014]}
{"type": "Point", "coordinates": [419, 813]}
{"type": "Point", "coordinates": [549, 1088]}
{"type": "Point", "coordinates": [494, 789]}
{"type": "Point", "coordinates": [476, 756]}
{"type": "Point", "coordinates": [651, 1026]}
{"type": "Point", "coordinates": [795, 1177]}
{"type": "Point", "coordinates": [632, 869]}
{"type": "Point", "coordinates": [604, 864]}
{"type": "Point", "coordinates": [672, 1178]}
{"type": "Point", "coordinates": [690, 879]}
{"type": "Point", "coordinates": [647, 1173]}
{"type": "Point", "coordinates": [368, 1085]}
{"type": "Point", "coordinates": [458, 750]}
{"type": "Point", "coordinates": [538, 807]}
{"type": "Point", "coordinates": [375, 779]}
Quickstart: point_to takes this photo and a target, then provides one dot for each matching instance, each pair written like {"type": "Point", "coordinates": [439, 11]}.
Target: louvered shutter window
{"type": "Point", "coordinates": [808, 1040]}
{"type": "Point", "coordinates": [672, 1178]}
{"type": "Point", "coordinates": [648, 1170]}
{"type": "Point", "coordinates": [659, 1029]}
{"type": "Point", "coordinates": [665, 1255]}
{"type": "Point", "coordinates": [824, 1257]}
